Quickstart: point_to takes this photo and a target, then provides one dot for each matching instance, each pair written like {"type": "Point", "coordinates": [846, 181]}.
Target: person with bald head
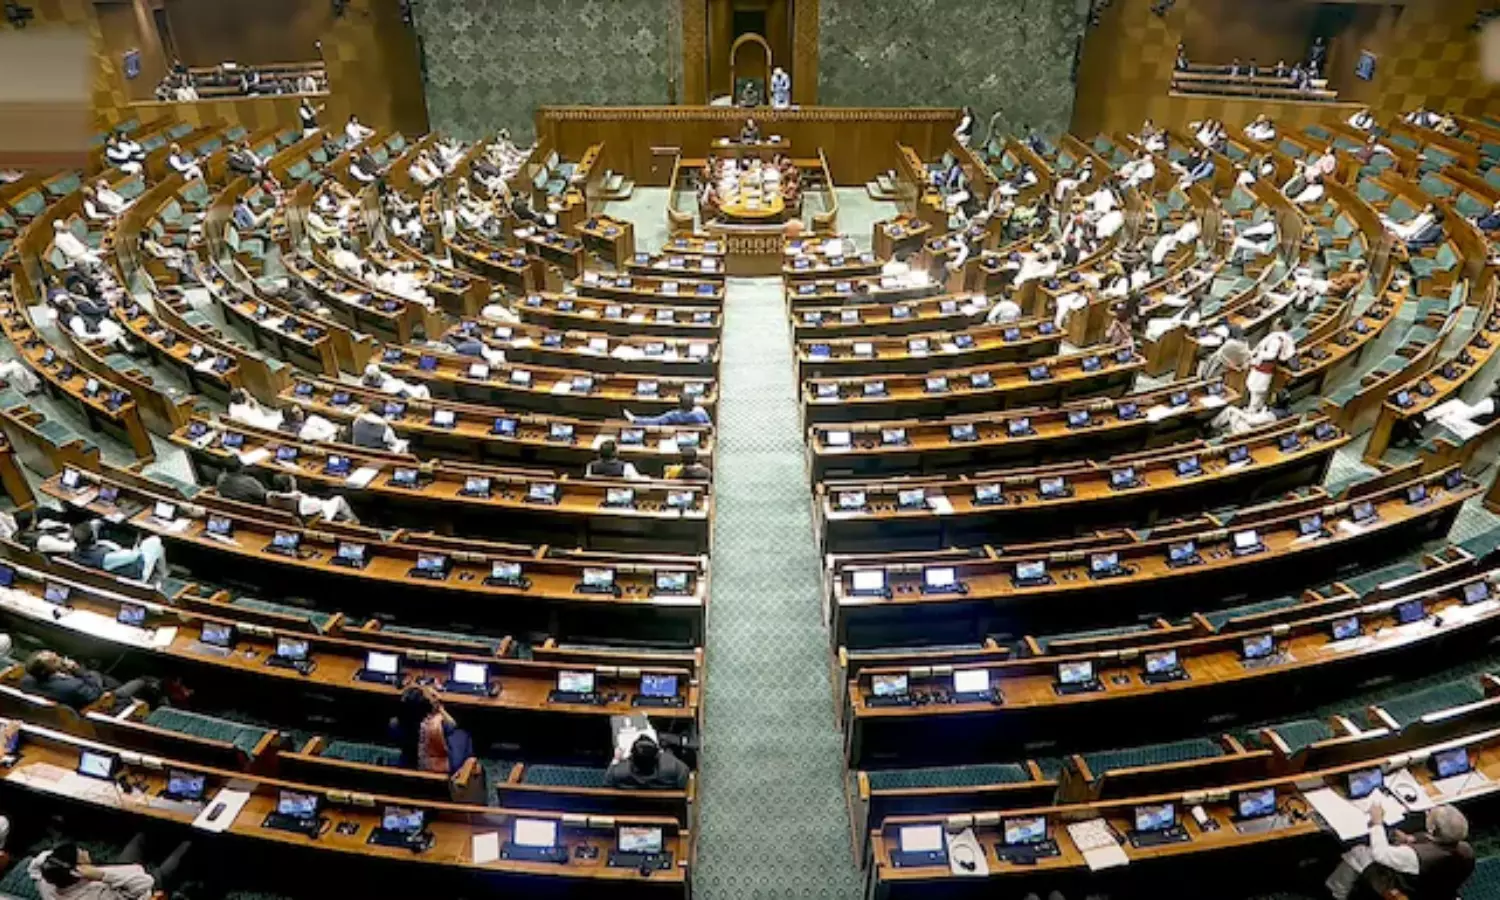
{"type": "Point", "coordinates": [1430, 865]}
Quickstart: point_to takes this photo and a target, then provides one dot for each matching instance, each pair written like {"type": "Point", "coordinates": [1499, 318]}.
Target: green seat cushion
{"type": "Point", "coordinates": [1218, 617]}
{"type": "Point", "coordinates": [1483, 884]}
{"type": "Point", "coordinates": [1045, 642]}
{"type": "Point", "coordinates": [1482, 544]}
{"type": "Point", "coordinates": [1409, 708]}
{"type": "Point", "coordinates": [366, 754]}
{"type": "Point", "coordinates": [1300, 733]}
{"type": "Point", "coordinates": [563, 776]}
{"type": "Point", "coordinates": [17, 881]}
{"type": "Point", "coordinates": [947, 776]}
{"type": "Point", "coordinates": [1103, 761]}
{"type": "Point", "coordinates": [318, 619]}
{"type": "Point", "coordinates": [455, 636]}
{"type": "Point", "coordinates": [1365, 582]}
{"type": "Point", "coordinates": [245, 737]}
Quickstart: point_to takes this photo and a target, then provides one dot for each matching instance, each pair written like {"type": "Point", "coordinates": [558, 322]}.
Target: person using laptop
{"type": "Point", "coordinates": [429, 738]}
{"type": "Point", "coordinates": [146, 561]}
{"type": "Point", "coordinates": [67, 872]}
{"type": "Point", "coordinates": [648, 767]}
{"type": "Point", "coordinates": [65, 681]}
{"type": "Point", "coordinates": [1430, 865]}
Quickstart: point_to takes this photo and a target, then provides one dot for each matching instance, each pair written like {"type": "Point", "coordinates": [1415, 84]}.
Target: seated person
{"type": "Point", "coordinates": [429, 738]}
{"type": "Point", "coordinates": [234, 483]}
{"type": "Point", "coordinates": [1424, 229]}
{"type": "Point", "coordinates": [1364, 120]}
{"type": "Point", "coordinates": [246, 218]}
{"type": "Point", "coordinates": [109, 199]}
{"type": "Point", "coordinates": [372, 432]}
{"type": "Point", "coordinates": [63, 680]}
{"type": "Point", "coordinates": [750, 134]}
{"type": "Point", "coordinates": [147, 561]}
{"type": "Point", "coordinates": [1430, 865]}
{"type": "Point", "coordinates": [649, 767]}
{"type": "Point", "coordinates": [246, 410]}
{"type": "Point", "coordinates": [689, 469]}
{"type": "Point", "coordinates": [285, 495]}
{"type": "Point", "coordinates": [1489, 221]}
{"type": "Point", "coordinates": [75, 251]}
{"type": "Point", "coordinates": [355, 132]}
{"type": "Point", "coordinates": [1262, 129]}
{"type": "Point", "coordinates": [183, 164]}
{"type": "Point", "coordinates": [67, 872]}
{"type": "Point", "coordinates": [375, 377]}
{"type": "Point", "coordinates": [314, 428]}
{"type": "Point", "coordinates": [608, 464]}
{"type": "Point", "coordinates": [688, 412]}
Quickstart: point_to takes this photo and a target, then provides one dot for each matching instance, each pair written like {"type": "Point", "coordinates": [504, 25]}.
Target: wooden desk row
{"type": "Point", "coordinates": [859, 289]}
{"type": "Point", "coordinates": [613, 240]}
{"type": "Point", "coordinates": [1071, 498]}
{"type": "Point", "coordinates": [460, 498]}
{"type": "Point", "coordinates": [578, 392]}
{"type": "Point", "coordinates": [963, 595]}
{"type": "Point", "coordinates": [922, 351]}
{"type": "Point", "coordinates": [555, 310]}
{"type": "Point", "coordinates": [1205, 857]}
{"type": "Point", "coordinates": [48, 759]}
{"type": "Point", "coordinates": [507, 267]}
{"type": "Point", "coordinates": [1080, 429]}
{"type": "Point", "coordinates": [841, 321]}
{"type": "Point", "coordinates": [390, 318]}
{"type": "Point", "coordinates": [1262, 672]}
{"type": "Point", "coordinates": [651, 289]}
{"type": "Point", "coordinates": [484, 432]}
{"type": "Point", "coordinates": [942, 391]}
{"type": "Point", "coordinates": [597, 351]}
{"type": "Point", "coordinates": [660, 598]}
{"type": "Point", "coordinates": [674, 266]}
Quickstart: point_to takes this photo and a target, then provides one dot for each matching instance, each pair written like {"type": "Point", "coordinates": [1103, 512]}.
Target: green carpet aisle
{"type": "Point", "coordinates": [773, 818]}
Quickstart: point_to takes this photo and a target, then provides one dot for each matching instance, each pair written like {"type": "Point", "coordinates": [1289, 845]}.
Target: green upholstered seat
{"type": "Point", "coordinates": [10, 398]}
{"type": "Point", "coordinates": [29, 204]}
{"type": "Point", "coordinates": [1047, 641]}
{"type": "Point", "coordinates": [1299, 733]}
{"type": "Point", "coordinates": [1483, 543]}
{"type": "Point", "coordinates": [1365, 582]}
{"type": "Point", "coordinates": [1471, 206]}
{"type": "Point", "coordinates": [366, 754]}
{"type": "Point", "coordinates": [186, 488]}
{"type": "Point", "coordinates": [457, 637]}
{"type": "Point", "coordinates": [1408, 708]}
{"type": "Point", "coordinates": [1371, 192]}
{"type": "Point", "coordinates": [1103, 761]}
{"type": "Point", "coordinates": [17, 881]}
{"type": "Point", "coordinates": [1442, 261]}
{"type": "Point", "coordinates": [245, 737]}
{"type": "Point", "coordinates": [1483, 884]}
{"type": "Point", "coordinates": [55, 431]}
{"type": "Point", "coordinates": [318, 619]}
{"type": "Point", "coordinates": [1435, 186]}
{"type": "Point", "coordinates": [1218, 617]}
{"type": "Point", "coordinates": [563, 776]}
{"type": "Point", "coordinates": [947, 776]}
{"type": "Point", "coordinates": [63, 185]}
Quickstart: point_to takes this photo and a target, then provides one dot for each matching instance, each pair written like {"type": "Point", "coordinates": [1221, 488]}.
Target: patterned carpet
{"type": "Point", "coordinates": [773, 817]}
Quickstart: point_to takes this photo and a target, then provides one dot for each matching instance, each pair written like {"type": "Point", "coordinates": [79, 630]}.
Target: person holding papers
{"type": "Point", "coordinates": [1430, 865]}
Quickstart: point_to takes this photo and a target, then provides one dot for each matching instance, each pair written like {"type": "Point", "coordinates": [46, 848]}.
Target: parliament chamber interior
{"type": "Point", "coordinates": [1080, 417]}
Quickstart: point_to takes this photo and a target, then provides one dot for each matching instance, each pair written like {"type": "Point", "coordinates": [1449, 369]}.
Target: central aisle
{"type": "Point", "coordinates": [773, 817]}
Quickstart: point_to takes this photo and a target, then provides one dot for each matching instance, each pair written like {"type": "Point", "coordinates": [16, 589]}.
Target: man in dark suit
{"type": "Point", "coordinates": [649, 767]}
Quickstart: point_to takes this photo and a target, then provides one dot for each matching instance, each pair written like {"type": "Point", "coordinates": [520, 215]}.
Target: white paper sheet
{"type": "Point", "coordinates": [233, 801]}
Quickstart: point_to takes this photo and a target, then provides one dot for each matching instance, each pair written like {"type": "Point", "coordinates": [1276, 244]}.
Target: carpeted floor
{"type": "Point", "coordinates": [773, 817]}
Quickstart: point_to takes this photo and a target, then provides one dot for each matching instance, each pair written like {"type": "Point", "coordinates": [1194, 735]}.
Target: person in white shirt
{"type": "Point", "coordinates": [284, 494]}
{"type": "Point", "coordinates": [246, 410]}
{"type": "Point", "coordinates": [1038, 266]}
{"type": "Point", "coordinates": [1183, 236]}
{"type": "Point", "coordinates": [375, 378]}
{"type": "Point", "coordinates": [1262, 129]}
{"type": "Point", "coordinates": [1407, 230]}
{"type": "Point", "coordinates": [124, 154]}
{"type": "Point", "coordinates": [1069, 183]}
{"type": "Point", "coordinates": [109, 200]}
{"type": "Point", "coordinates": [1138, 171]}
{"type": "Point", "coordinates": [182, 163]}
{"type": "Point", "coordinates": [1422, 117]}
{"type": "Point", "coordinates": [345, 259]}
{"type": "Point", "coordinates": [1364, 120]}
{"type": "Point", "coordinates": [355, 132]}
{"type": "Point", "coordinates": [1005, 310]}
{"type": "Point", "coordinates": [1275, 348]}
{"type": "Point", "coordinates": [73, 250]}
{"type": "Point", "coordinates": [92, 209]}
{"type": "Point", "coordinates": [1439, 860]}
{"type": "Point", "coordinates": [67, 872]}
{"type": "Point", "coordinates": [313, 428]}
